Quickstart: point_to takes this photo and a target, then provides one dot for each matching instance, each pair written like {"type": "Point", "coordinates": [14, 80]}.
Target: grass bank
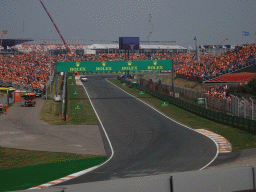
{"type": "Point", "coordinates": [23, 169]}
{"type": "Point", "coordinates": [182, 82]}
{"type": "Point", "coordinates": [239, 139]}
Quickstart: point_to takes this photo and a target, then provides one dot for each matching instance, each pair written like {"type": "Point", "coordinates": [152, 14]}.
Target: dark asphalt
{"type": "Point", "coordinates": [144, 141]}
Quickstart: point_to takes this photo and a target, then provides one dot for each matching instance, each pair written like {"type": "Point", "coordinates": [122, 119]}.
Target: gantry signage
{"type": "Point", "coordinates": [109, 66]}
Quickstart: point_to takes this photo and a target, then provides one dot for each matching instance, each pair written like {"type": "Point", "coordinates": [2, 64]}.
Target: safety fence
{"type": "Point", "coordinates": [190, 95]}
{"type": "Point", "coordinates": [243, 107]}
{"type": "Point", "coordinates": [219, 117]}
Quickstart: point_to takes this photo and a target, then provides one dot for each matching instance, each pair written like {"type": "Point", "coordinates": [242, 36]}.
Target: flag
{"type": "Point", "coordinates": [245, 33]}
{"type": "Point", "coordinates": [1, 47]}
{"type": "Point", "coordinates": [202, 47]}
{"type": "Point", "coordinates": [189, 47]}
{"type": "Point", "coordinates": [8, 47]}
{"type": "Point", "coordinates": [5, 32]}
{"type": "Point", "coordinates": [213, 47]}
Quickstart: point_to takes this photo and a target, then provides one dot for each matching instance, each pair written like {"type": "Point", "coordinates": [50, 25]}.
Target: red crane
{"type": "Point", "coordinates": [223, 41]}
{"type": "Point", "coordinates": [56, 28]}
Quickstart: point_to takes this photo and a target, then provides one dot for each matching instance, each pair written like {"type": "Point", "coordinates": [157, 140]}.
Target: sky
{"type": "Point", "coordinates": [211, 21]}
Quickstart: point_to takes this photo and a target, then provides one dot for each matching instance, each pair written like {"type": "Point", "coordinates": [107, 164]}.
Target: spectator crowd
{"type": "Point", "coordinates": [32, 68]}
{"type": "Point", "coordinates": [210, 66]}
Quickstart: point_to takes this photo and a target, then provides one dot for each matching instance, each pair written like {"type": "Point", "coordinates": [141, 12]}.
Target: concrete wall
{"type": "Point", "coordinates": [234, 179]}
{"type": "Point", "coordinates": [210, 180]}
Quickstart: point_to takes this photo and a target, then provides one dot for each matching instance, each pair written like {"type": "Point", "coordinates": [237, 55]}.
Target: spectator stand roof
{"type": "Point", "coordinates": [116, 46]}
{"type": "Point", "coordinates": [217, 46]}
{"type": "Point", "coordinates": [12, 42]}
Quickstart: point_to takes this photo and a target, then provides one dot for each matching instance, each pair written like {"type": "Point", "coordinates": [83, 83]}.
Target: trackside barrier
{"type": "Point", "coordinates": [211, 180]}
{"type": "Point", "coordinates": [219, 117]}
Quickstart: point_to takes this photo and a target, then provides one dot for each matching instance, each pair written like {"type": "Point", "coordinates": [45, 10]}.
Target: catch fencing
{"type": "Point", "coordinates": [187, 94]}
{"type": "Point", "coordinates": [243, 107]}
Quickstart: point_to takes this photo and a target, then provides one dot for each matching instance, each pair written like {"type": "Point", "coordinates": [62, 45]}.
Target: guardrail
{"type": "Point", "coordinates": [219, 117]}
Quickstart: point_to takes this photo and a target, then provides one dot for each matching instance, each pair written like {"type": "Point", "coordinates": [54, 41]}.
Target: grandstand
{"type": "Point", "coordinates": [36, 57]}
{"type": "Point", "coordinates": [210, 66]}
{"type": "Point", "coordinates": [13, 42]}
{"type": "Point", "coordinates": [233, 77]}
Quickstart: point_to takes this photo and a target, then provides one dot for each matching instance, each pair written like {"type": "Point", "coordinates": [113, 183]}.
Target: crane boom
{"type": "Point", "coordinates": [56, 27]}
{"type": "Point", "coordinates": [223, 41]}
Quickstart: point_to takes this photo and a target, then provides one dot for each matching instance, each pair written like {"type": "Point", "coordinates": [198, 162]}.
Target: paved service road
{"type": "Point", "coordinates": [144, 141]}
{"type": "Point", "coordinates": [21, 128]}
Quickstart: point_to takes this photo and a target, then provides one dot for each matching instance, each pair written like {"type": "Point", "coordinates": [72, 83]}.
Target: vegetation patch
{"type": "Point", "coordinates": [86, 114]}
{"type": "Point", "coordinates": [51, 109]}
{"type": "Point", "coordinates": [23, 169]}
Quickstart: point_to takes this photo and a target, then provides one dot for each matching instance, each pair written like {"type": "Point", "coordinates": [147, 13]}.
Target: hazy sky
{"type": "Point", "coordinates": [211, 21]}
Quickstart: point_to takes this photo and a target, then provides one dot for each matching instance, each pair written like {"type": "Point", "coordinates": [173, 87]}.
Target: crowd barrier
{"type": "Point", "coordinates": [219, 117]}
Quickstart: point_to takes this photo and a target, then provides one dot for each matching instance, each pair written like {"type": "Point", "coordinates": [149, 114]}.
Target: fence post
{"type": "Point", "coordinates": [252, 107]}
{"type": "Point", "coordinates": [46, 90]}
{"type": "Point", "coordinates": [66, 108]}
{"type": "Point", "coordinates": [63, 93]}
{"type": "Point", "coordinates": [237, 106]}
{"type": "Point", "coordinates": [244, 107]}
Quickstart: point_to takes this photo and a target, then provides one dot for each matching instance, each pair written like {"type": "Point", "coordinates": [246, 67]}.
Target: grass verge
{"type": "Point", "coordinates": [23, 169]}
{"type": "Point", "coordinates": [51, 109]}
{"type": "Point", "coordinates": [239, 139]}
{"type": "Point", "coordinates": [86, 114]}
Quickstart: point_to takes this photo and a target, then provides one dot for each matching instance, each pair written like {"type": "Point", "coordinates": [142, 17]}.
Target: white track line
{"type": "Point", "coordinates": [74, 175]}
{"type": "Point", "coordinates": [175, 122]}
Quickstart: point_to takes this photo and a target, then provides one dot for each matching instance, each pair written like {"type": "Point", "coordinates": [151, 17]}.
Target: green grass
{"type": "Point", "coordinates": [86, 115]}
{"type": "Point", "coordinates": [23, 169]}
{"type": "Point", "coordinates": [239, 139]}
{"type": "Point", "coordinates": [182, 82]}
{"type": "Point", "coordinates": [51, 109]}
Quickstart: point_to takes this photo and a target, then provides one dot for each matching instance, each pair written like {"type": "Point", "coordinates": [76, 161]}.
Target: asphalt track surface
{"type": "Point", "coordinates": [144, 141]}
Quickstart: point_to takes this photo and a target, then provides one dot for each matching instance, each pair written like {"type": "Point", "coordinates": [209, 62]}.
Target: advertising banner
{"type": "Point", "coordinates": [118, 66]}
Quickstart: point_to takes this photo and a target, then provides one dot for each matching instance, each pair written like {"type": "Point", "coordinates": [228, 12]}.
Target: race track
{"type": "Point", "coordinates": [144, 141]}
